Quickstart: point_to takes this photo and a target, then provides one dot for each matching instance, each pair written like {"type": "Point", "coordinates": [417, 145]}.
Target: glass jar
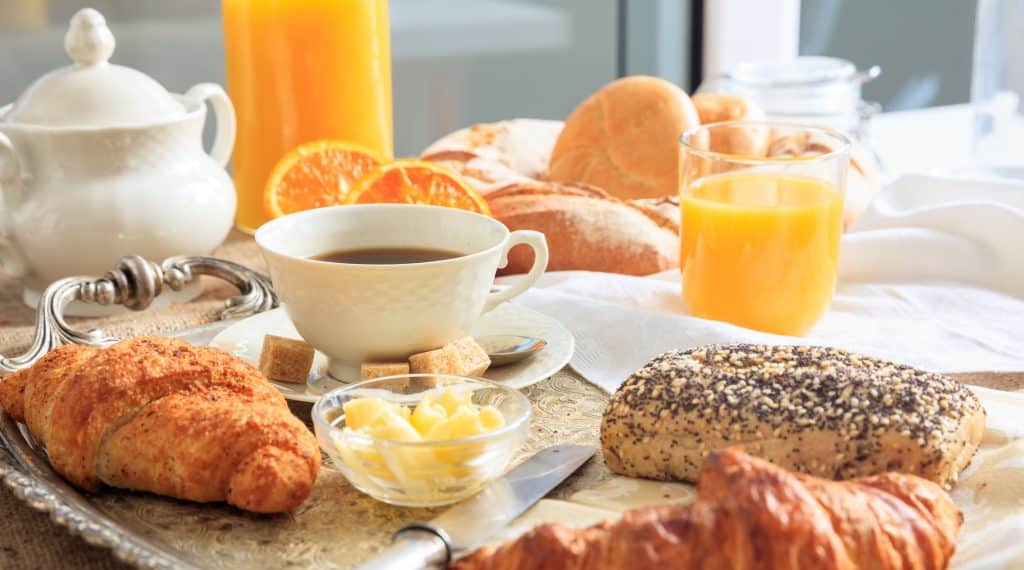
{"type": "Point", "coordinates": [811, 90]}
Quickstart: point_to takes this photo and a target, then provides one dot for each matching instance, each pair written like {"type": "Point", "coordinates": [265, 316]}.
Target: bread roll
{"type": "Point", "coordinates": [624, 139]}
{"type": "Point", "coordinates": [821, 411]}
{"type": "Point", "coordinates": [587, 229]}
{"type": "Point", "coordinates": [722, 107]}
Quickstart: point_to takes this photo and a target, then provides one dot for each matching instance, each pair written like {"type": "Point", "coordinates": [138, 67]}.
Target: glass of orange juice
{"type": "Point", "coordinates": [302, 70]}
{"type": "Point", "coordinates": [762, 208]}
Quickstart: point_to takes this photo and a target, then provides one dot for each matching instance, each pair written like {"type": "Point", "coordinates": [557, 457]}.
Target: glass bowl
{"type": "Point", "coordinates": [421, 473]}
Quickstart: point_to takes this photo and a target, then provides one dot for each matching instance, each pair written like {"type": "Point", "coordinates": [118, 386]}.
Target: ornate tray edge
{"type": "Point", "coordinates": [133, 283]}
{"type": "Point", "coordinates": [43, 490]}
{"type": "Point", "coordinates": [32, 481]}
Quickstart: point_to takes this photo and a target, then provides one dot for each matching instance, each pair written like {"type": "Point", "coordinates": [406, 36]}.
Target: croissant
{"type": "Point", "coordinates": [750, 514]}
{"type": "Point", "coordinates": [160, 415]}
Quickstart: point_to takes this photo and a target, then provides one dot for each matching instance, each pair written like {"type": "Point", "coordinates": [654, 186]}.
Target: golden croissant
{"type": "Point", "coordinates": [160, 415]}
{"type": "Point", "coordinates": [750, 515]}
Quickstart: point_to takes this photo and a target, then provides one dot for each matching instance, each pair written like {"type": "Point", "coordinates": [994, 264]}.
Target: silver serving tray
{"type": "Point", "coordinates": [27, 473]}
{"type": "Point", "coordinates": [134, 283]}
{"type": "Point", "coordinates": [337, 527]}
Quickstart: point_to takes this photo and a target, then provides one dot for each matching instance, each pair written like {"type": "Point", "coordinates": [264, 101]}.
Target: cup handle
{"type": "Point", "coordinates": [224, 141]}
{"type": "Point", "coordinates": [539, 243]}
{"type": "Point", "coordinates": [10, 174]}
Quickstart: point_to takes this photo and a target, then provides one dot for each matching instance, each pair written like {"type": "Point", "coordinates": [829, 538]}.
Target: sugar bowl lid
{"type": "Point", "coordinates": [93, 92]}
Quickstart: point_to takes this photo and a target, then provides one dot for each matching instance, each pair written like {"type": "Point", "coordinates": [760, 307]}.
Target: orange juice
{"type": "Point", "coordinates": [301, 70]}
{"type": "Point", "coordinates": [760, 250]}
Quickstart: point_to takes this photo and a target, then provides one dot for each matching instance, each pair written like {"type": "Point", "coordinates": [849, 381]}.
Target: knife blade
{"type": "Point", "coordinates": [470, 523]}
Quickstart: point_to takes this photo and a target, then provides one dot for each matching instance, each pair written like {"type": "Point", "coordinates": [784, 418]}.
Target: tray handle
{"type": "Point", "coordinates": [134, 283]}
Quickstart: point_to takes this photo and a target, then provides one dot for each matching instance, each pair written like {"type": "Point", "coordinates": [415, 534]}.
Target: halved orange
{"type": "Point", "coordinates": [411, 181]}
{"type": "Point", "coordinates": [316, 174]}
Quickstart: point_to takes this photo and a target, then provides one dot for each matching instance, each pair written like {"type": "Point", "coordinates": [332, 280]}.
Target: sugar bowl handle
{"type": "Point", "coordinates": [224, 141]}
{"type": "Point", "coordinates": [11, 261]}
{"type": "Point", "coordinates": [134, 283]}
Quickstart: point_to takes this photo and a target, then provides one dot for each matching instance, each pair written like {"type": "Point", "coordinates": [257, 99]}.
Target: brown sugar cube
{"type": "Point", "coordinates": [471, 357]}
{"type": "Point", "coordinates": [286, 359]}
{"type": "Point", "coordinates": [437, 361]}
{"type": "Point", "coordinates": [462, 357]}
{"type": "Point", "coordinates": [370, 370]}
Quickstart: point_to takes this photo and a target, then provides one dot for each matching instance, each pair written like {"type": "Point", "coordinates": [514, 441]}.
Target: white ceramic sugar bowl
{"type": "Point", "coordinates": [98, 161]}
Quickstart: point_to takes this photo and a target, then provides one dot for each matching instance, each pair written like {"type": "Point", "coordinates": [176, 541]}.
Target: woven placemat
{"type": "Point", "coordinates": [29, 540]}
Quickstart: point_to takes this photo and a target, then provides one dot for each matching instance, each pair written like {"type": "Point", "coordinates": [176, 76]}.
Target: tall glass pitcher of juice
{"type": "Point", "coordinates": [302, 70]}
{"type": "Point", "coordinates": [760, 229]}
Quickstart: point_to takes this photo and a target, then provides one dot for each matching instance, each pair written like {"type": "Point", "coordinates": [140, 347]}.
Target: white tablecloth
{"type": "Point", "coordinates": [932, 275]}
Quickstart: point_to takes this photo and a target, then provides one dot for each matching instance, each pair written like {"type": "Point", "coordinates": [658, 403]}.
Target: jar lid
{"type": "Point", "coordinates": [804, 70]}
{"type": "Point", "coordinates": [93, 92]}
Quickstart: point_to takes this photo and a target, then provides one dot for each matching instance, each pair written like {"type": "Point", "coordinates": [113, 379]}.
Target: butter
{"type": "Point", "coordinates": [443, 415]}
{"type": "Point", "coordinates": [434, 466]}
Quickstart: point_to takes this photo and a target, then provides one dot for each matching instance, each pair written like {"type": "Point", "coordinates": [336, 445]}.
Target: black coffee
{"type": "Point", "coordinates": [386, 255]}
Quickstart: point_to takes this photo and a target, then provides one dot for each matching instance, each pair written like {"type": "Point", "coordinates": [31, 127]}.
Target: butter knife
{"type": "Point", "coordinates": [468, 524]}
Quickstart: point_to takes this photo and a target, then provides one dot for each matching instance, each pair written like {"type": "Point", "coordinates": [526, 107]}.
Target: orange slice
{"type": "Point", "coordinates": [411, 181]}
{"type": "Point", "coordinates": [314, 175]}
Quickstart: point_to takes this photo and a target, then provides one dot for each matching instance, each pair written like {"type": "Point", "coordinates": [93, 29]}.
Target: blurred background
{"type": "Point", "coordinates": [458, 62]}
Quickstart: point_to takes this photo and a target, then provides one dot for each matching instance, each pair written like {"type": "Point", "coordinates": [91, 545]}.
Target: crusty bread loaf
{"type": "Point", "coordinates": [821, 411]}
{"type": "Point", "coordinates": [624, 139]}
{"type": "Point", "coordinates": [587, 229]}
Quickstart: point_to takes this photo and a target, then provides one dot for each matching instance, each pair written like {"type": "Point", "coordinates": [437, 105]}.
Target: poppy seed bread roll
{"type": "Point", "coordinates": [821, 411]}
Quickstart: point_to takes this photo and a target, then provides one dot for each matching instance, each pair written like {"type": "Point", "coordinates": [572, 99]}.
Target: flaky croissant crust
{"type": "Point", "coordinates": [750, 514]}
{"type": "Point", "coordinates": [160, 415]}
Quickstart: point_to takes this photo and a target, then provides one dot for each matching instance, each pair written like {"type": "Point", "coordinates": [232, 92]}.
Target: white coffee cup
{"type": "Point", "coordinates": [357, 313]}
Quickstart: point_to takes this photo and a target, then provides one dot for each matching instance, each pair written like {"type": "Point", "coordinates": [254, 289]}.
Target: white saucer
{"type": "Point", "coordinates": [245, 340]}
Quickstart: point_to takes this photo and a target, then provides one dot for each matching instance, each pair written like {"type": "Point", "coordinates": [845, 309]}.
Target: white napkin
{"type": "Point", "coordinates": [932, 275]}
